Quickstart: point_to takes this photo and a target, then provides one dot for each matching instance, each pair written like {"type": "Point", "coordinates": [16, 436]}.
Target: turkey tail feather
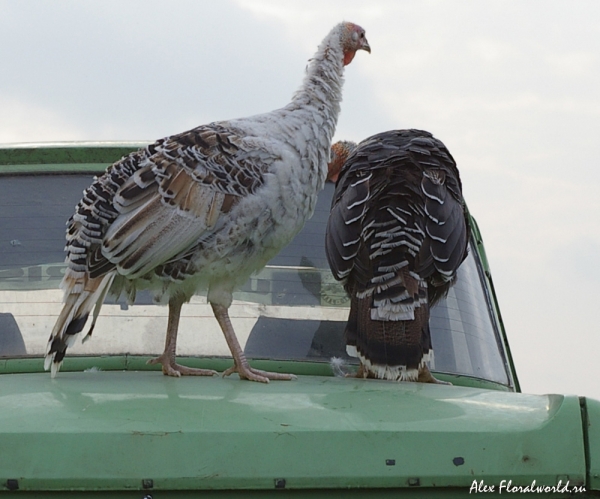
{"type": "Point", "coordinates": [81, 296]}
{"type": "Point", "coordinates": [389, 349]}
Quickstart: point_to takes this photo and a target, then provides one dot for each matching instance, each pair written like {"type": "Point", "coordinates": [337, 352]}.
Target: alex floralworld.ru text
{"type": "Point", "coordinates": [506, 486]}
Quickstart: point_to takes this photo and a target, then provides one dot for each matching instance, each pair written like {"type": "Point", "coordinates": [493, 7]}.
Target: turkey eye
{"type": "Point", "coordinates": [362, 35]}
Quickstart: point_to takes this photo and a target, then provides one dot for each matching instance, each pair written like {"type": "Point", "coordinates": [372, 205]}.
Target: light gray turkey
{"type": "Point", "coordinates": [204, 209]}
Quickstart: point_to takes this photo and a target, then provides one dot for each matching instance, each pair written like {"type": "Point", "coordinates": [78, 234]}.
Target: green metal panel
{"type": "Point", "coordinates": [111, 430]}
{"type": "Point", "coordinates": [65, 152]}
{"type": "Point", "coordinates": [591, 420]}
{"type": "Point", "coordinates": [128, 362]}
{"type": "Point", "coordinates": [62, 157]}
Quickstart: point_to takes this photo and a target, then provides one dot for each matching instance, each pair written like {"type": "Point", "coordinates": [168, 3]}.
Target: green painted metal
{"type": "Point", "coordinates": [62, 157]}
{"type": "Point", "coordinates": [591, 421]}
{"type": "Point", "coordinates": [111, 430]}
{"type": "Point", "coordinates": [66, 152]}
{"type": "Point", "coordinates": [129, 362]}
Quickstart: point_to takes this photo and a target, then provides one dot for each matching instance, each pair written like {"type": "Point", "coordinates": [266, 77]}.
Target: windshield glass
{"type": "Point", "coordinates": [293, 309]}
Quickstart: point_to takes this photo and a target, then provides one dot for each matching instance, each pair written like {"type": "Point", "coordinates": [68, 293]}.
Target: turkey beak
{"type": "Point", "coordinates": [365, 45]}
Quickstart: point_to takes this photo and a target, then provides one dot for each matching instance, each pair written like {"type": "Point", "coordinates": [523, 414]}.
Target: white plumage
{"type": "Point", "coordinates": [204, 209]}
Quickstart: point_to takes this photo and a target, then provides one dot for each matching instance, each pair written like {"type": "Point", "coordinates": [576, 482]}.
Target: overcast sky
{"type": "Point", "coordinates": [511, 87]}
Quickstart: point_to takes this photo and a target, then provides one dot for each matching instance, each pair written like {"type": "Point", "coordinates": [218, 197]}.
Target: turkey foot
{"type": "Point", "coordinates": [249, 373]}
{"type": "Point", "coordinates": [425, 376]}
{"type": "Point", "coordinates": [241, 365]}
{"type": "Point", "coordinates": [171, 368]}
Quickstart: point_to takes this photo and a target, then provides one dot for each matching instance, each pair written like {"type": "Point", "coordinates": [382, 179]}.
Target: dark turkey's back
{"type": "Point", "coordinates": [397, 233]}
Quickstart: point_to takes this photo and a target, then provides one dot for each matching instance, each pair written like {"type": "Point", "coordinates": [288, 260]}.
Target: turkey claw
{"type": "Point", "coordinates": [251, 374]}
{"type": "Point", "coordinates": [425, 376]}
{"type": "Point", "coordinates": [173, 369]}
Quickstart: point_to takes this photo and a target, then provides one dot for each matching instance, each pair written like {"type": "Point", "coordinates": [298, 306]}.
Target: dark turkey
{"type": "Point", "coordinates": [397, 233]}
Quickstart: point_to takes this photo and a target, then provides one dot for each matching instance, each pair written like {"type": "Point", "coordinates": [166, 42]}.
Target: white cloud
{"type": "Point", "coordinates": [493, 51]}
{"type": "Point", "coordinates": [574, 64]}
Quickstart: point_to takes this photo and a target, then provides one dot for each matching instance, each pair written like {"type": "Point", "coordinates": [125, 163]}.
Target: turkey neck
{"type": "Point", "coordinates": [322, 84]}
{"type": "Point", "coordinates": [318, 100]}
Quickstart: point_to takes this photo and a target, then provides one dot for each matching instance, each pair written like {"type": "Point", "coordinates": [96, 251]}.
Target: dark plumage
{"type": "Point", "coordinates": [397, 233]}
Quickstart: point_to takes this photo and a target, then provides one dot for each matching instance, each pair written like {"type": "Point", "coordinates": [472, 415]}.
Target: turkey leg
{"type": "Point", "coordinates": [241, 365]}
{"type": "Point", "coordinates": [167, 358]}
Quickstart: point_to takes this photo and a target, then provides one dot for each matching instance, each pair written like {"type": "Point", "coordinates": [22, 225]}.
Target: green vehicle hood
{"type": "Point", "coordinates": [112, 430]}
